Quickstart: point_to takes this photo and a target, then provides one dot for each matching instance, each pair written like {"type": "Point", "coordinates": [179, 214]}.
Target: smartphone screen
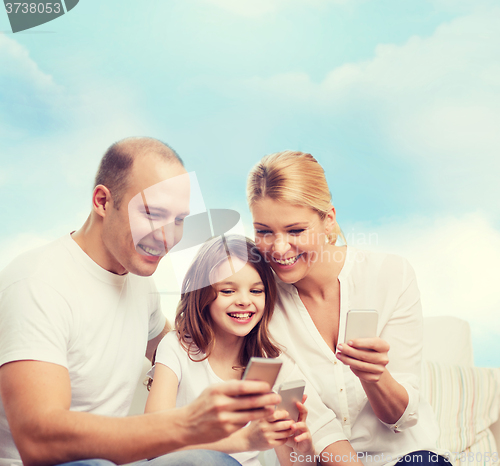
{"type": "Point", "coordinates": [266, 369]}
{"type": "Point", "coordinates": [360, 323]}
{"type": "Point", "coordinates": [290, 393]}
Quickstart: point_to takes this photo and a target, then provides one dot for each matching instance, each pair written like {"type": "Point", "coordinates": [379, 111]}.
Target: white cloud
{"type": "Point", "coordinates": [455, 258]}
{"type": "Point", "coordinates": [456, 262]}
{"type": "Point", "coordinates": [55, 165]}
{"type": "Point", "coordinates": [27, 93]}
{"type": "Point", "coordinates": [93, 115]}
{"type": "Point", "coordinates": [435, 102]}
{"type": "Point", "coordinates": [17, 62]}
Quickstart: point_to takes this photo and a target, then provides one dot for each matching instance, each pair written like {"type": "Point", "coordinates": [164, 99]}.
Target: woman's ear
{"type": "Point", "coordinates": [330, 220]}
{"type": "Point", "coordinates": [101, 199]}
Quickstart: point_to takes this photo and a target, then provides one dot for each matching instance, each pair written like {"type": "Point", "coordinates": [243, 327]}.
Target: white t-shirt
{"type": "Point", "coordinates": [57, 305]}
{"type": "Point", "coordinates": [195, 376]}
{"type": "Point", "coordinates": [387, 284]}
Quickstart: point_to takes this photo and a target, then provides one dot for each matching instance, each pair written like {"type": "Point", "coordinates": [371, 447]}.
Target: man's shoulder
{"type": "Point", "coordinates": [38, 263]}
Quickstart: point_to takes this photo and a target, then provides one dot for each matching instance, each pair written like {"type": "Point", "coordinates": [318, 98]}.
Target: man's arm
{"type": "Point", "coordinates": [37, 397]}
{"type": "Point", "coordinates": [153, 343]}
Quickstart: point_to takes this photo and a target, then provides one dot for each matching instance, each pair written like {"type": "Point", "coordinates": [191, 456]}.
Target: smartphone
{"type": "Point", "coordinates": [361, 323]}
{"type": "Point", "coordinates": [290, 393]}
{"type": "Point", "coordinates": [266, 369]}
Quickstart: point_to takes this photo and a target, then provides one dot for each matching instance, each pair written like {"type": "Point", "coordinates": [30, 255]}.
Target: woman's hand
{"type": "Point", "coordinates": [301, 439]}
{"type": "Point", "coordinates": [270, 432]}
{"type": "Point", "coordinates": [367, 357]}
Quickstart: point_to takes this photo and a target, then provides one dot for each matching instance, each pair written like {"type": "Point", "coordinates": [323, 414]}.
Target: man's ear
{"type": "Point", "coordinates": [330, 220]}
{"type": "Point", "coordinates": [101, 200]}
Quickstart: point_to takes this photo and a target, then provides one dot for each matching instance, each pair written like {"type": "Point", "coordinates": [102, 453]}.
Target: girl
{"type": "Point", "coordinates": [222, 320]}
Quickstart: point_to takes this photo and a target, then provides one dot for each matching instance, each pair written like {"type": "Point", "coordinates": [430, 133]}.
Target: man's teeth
{"type": "Point", "coordinates": [288, 261]}
{"type": "Point", "coordinates": [153, 252]}
{"type": "Point", "coordinates": [240, 315]}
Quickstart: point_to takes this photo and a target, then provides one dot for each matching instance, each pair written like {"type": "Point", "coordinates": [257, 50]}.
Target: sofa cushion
{"type": "Point", "coordinates": [482, 453]}
{"type": "Point", "coordinates": [465, 400]}
{"type": "Point", "coordinates": [447, 339]}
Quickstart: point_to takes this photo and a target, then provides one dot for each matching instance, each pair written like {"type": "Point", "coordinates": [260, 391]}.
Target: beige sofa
{"type": "Point", "coordinates": [465, 398]}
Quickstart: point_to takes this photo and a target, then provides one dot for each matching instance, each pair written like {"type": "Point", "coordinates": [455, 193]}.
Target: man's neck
{"type": "Point", "coordinates": [88, 237]}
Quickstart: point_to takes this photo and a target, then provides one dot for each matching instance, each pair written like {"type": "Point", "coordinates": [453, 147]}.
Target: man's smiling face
{"type": "Point", "coordinates": [149, 221]}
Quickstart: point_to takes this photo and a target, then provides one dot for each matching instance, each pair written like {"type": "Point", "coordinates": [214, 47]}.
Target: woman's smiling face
{"type": "Point", "coordinates": [290, 237]}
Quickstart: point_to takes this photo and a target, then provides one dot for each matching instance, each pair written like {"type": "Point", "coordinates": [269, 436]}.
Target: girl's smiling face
{"type": "Point", "coordinates": [291, 238]}
{"type": "Point", "coordinates": [240, 301]}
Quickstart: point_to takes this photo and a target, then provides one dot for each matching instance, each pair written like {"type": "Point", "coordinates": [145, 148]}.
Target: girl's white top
{"type": "Point", "coordinates": [194, 376]}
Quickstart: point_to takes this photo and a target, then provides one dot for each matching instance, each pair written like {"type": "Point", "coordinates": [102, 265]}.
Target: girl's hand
{"type": "Point", "coordinates": [367, 357]}
{"type": "Point", "coordinates": [302, 439]}
{"type": "Point", "coordinates": [270, 432]}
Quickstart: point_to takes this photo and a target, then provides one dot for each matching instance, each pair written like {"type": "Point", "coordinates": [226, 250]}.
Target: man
{"type": "Point", "coordinates": [75, 325]}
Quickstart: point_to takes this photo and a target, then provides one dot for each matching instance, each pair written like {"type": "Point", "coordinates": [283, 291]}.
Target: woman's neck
{"type": "Point", "coordinates": [317, 283]}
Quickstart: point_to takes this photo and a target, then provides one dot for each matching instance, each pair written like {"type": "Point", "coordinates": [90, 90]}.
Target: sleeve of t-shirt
{"type": "Point", "coordinates": [323, 424]}
{"type": "Point", "coordinates": [404, 332]}
{"type": "Point", "coordinates": [156, 317]}
{"type": "Point", "coordinates": [169, 353]}
{"type": "Point", "coordinates": [35, 323]}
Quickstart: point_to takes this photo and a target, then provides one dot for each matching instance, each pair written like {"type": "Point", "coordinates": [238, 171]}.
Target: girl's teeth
{"type": "Point", "coordinates": [241, 316]}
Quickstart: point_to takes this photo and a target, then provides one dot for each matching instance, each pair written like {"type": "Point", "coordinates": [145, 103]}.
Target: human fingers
{"type": "Point", "coordinates": [300, 426]}
{"type": "Point", "coordinates": [248, 402]}
{"type": "Point", "coordinates": [302, 437]}
{"type": "Point", "coordinates": [374, 344]}
{"type": "Point", "coordinates": [302, 412]}
{"type": "Point", "coordinates": [218, 396]}
{"type": "Point", "coordinates": [279, 414]}
{"type": "Point", "coordinates": [242, 418]}
{"type": "Point", "coordinates": [365, 355]}
{"type": "Point", "coordinates": [304, 398]}
{"type": "Point", "coordinates": [361, 366]}
{"type": "Point", "coordinates": [282, 426]}
{"type": "Point", "coordinates": [363, 360]}
{"type": "Point", "coordinates": [243, 387]}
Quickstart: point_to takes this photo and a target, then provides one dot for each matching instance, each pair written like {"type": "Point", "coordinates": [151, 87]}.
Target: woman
{"type": "Point", "coordinates": [373, 392]}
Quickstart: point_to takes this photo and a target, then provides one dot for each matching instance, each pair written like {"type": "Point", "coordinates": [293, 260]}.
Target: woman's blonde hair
{"type": "Point", "coordinates": [293, 177]}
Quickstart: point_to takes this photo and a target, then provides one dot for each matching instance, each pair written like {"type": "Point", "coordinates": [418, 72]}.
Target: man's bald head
{"type": "Point", "coordinates": [116, 164]}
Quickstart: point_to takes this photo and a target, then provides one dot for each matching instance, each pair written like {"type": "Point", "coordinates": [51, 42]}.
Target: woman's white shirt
{"type": "Point", "coordinates": [368, 280]}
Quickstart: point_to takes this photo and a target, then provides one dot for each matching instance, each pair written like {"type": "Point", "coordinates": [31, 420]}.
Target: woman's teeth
{"type": "Point", "coordinates": [289, 261]}
{"type": "Point", "coordinates": [240, 315]}
{"type": "Point", "coordinates": [151, 251]}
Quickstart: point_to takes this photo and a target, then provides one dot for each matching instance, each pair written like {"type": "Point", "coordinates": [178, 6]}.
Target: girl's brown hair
{"type": "Point", "coordinates": [293, 177]}
{"type": "Point", "coordinates": [193, 321]}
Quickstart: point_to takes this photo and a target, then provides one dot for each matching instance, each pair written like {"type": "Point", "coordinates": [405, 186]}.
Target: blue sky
{"type": "Point", "coordinates": [399, 101]}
